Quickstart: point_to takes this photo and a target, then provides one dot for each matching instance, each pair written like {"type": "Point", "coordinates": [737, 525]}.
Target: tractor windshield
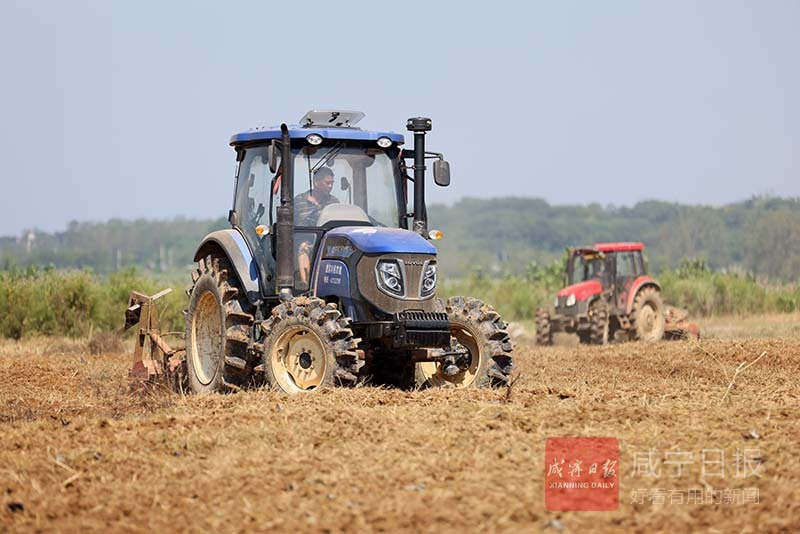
{"type": "Point", "coordinates": [360, 181]}
{"type": "Point", "coordinates": [342, 182]}
{"type": "Point", "coordinates": [586, 267]}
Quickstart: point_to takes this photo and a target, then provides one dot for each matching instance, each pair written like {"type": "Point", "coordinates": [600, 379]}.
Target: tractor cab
{"type": "Point", "coordinates": [343, 176]}
{"type": "Point", "coordinates": [337, 182]}
{"type": "Point", "coordinates": [605, 268]}
{"type": "Point", "coordinates": [587, 264]}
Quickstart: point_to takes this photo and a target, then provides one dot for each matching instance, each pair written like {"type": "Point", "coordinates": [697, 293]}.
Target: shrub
{"type": "Point", "coordinates": [693, 285]}
{"type": "Point", "coordinates": [75, 303]}
{"type": "Point", "coordinates": [37, 301]}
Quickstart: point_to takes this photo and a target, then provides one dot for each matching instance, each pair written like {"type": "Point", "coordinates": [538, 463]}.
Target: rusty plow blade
{"type": "Point", "coordinates": [154, 361]}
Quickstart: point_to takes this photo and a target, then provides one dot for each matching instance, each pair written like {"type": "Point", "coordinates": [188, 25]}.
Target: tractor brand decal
{"type": "Point", "coordinates": [334, 279]}
{"type": "Point", "coordinates": [343, 251]}
{"type": "Point", "coordinates": [333, 268]}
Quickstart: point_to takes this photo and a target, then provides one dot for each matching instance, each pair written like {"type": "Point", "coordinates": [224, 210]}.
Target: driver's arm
{"type": "Point", "coordinates": [304, 261]}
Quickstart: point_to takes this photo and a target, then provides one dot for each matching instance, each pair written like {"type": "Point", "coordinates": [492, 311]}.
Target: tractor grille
{"type": "Point", "coordinates": [416, 328]}
{"type": "Point", "coordinates": [562, 305]}
{"type": "Point", "coordinates": [423, 319]}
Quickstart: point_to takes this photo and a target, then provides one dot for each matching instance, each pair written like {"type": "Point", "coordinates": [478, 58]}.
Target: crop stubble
{"type": "Point", "coordinates": [79, 452]}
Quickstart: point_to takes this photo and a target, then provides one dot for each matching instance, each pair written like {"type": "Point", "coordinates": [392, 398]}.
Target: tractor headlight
{"type": "Point", "coordinates": [571, 300]}
{"type": "Point", "coordinates": [428, 285]}
{"type": "Point", "coordinates": [314, 139]}
{"type": "Point", "coordinates": [555, 302]}
{"type": "Point", "coordinates": [384, 142]}
{"type": "Point", "coordinates": [390, 278]}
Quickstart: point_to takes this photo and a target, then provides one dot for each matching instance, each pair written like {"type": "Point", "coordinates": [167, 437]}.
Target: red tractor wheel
{"type": "Point", "coordinates": [598, 320]}
{"type": "Point", "coordinates": [544, 331]}
{"type": "Point", "coordinates": [647, 315]}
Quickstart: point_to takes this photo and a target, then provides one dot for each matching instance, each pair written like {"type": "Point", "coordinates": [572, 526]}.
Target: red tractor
{"type": "Point", "coordinates": [609, 296]}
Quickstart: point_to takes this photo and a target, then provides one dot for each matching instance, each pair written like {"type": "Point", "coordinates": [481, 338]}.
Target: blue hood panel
{"type": "Point", "coordinates": [372, 240]}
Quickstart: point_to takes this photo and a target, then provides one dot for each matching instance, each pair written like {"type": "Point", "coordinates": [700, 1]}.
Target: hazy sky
{"type": "Point", "coordinates": [125, 109]}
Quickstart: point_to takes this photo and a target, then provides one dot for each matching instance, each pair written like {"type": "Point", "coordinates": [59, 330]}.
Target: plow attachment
{"type": "Point", "coordinates": [677, 325]}
{"type": "Point", "coordinates": [154, 361]}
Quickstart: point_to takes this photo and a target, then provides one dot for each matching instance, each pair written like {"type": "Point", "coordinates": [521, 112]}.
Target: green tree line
{"type": "Point", "coordinates": [501, 236]}
{"type": "Point", "coordinates": [497, 236]}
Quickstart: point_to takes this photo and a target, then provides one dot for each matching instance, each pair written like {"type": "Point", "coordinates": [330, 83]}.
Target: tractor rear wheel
{"type": "Point", "coordinates": [598, 321]}
{"type": "Point", "coordinates": [308, 345]}
{"type": "Point", "coordinates": [218, 328]}
{"type": "Point", "coordinates": [647, 315]}
{"type": "Point", "coordinates": [544, 329]}
{"type": "Point", "coordinates": [477, 329]}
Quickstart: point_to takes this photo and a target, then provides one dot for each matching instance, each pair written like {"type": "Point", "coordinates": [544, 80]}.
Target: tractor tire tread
{"type": "Point", "coordinates": [328, 323]}
{"type": "Point", "coordinates": [653, 296]}
{"type": "Point", "coordinates": [238, 324]}
{"type": "Point", "coordinates": [544, 330]}
{"type": "Point", "coordinates": [492, 336]}
{"type": "Point", "coordinates": [598, 323]}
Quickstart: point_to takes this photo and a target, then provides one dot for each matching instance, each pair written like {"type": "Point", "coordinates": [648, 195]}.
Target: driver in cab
{"type": "Point", "coordinates": [308, 205]}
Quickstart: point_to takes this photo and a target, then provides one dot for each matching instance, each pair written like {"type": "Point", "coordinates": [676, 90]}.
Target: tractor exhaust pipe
{"type": "Point", "coordinates": [420, 126]}
{"type": "Point", "coordinates": [284, 280]}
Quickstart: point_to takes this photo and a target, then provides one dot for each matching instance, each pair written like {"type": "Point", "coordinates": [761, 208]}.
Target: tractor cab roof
{"type": "Point", "coordinates": [608, 247]}
{"type": "Point", "coordinates": [330, 124]}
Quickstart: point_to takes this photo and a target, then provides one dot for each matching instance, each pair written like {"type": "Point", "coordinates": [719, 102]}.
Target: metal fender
{"type": "Point", "coordinates": [231, 243]}
{"type": "Point", "coordinates": [638, 284]}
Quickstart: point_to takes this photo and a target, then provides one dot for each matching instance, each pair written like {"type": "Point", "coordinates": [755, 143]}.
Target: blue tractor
{"type": "Point", "coordinates": [325, 277]}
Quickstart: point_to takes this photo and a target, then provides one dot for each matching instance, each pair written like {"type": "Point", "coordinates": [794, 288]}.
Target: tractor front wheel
{"type": "Point", "coordinates": [544, 328]}
{"type": "Point", "coordinates": [477, 330]}
{"type": "Point", "coordinates": [647, 315]}
{"type": "Point", "coordinates": [598, 321]}
{"type": "Point", "coordinates": [308, 346]}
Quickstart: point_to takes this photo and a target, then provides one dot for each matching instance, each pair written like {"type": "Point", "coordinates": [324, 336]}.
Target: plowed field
{"type": "Point", "coordinates": [79, 452]}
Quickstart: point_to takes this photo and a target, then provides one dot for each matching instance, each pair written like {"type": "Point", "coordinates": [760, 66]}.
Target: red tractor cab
{"type": "Point", "coordinates": [609, 296]}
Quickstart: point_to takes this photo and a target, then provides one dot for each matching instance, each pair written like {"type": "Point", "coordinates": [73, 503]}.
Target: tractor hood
{"type": "Point", "coordinates": [372, 240]}
{"type": "Point", "coordinates": [582, 290]}
{"type": "Point", "coordinates": [349, 269]}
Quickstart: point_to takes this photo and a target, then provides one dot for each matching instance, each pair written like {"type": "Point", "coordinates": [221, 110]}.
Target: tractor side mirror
{"type": "Point", "coordinates": [345, 183]}
{"type": "Point", "coordinates": [273, 155]}
{"type": "Point", "coordinates": [441, 173]}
